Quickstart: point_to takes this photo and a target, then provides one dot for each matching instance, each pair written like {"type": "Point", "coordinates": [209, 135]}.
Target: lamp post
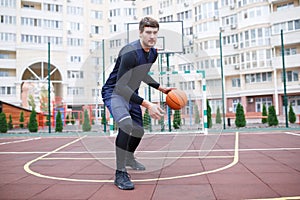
{"type": "Point", "coordinates": [49, 92]}
{"type": "Point", "coordinates": [285, 100]}
{"type": "Point", "coordinates": [222, 76]}
{"type": "Point", "coordinates": [103, 79]}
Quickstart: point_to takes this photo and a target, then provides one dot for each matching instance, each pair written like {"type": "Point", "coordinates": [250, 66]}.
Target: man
{"type": "Point", "coordinates": [120, 95]}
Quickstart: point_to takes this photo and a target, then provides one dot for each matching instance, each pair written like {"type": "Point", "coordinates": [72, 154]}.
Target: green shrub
{"type": "Point", "coordinates": [72, 119]}
{"type": "Point", "coordinates": [292, 115]}
{"type": "Point", "coordinates": [240, 120]}
{"type": "Point", "coordinates": [68, 121]}
{"type": "Point", "coordinates": [3, 123]}
{"type": "Point", "coordinates": [272, 117]}
{"type": "Point", "coordinates": [86, 123]}
{"type": "Point", "coordinates": [146, 119]}
{"type": "Point", "coordinates": [33, 125]}
{"type": "Point", "coordinates": [22, 119]}
{"type": "Point", "coordinates": [10, 125]}
{"type": "Point", "coordinates": [197, 116]}
{"type": "Point", "coordinates": [218, 116]}
{"type": "Point", "coordinates": [59, 123]}
{"type": "Point", "coordinates": [265, 114]}
{"type": "Point", "coordinates": [177, 119]}
{"type": "Point", "coordinates": [209, 120]}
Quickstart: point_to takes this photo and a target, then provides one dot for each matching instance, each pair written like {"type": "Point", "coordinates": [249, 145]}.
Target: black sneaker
{"type": "Point", "coordinates": [135, 165]}
{"type": "Point", "coordinates": [122, 181]}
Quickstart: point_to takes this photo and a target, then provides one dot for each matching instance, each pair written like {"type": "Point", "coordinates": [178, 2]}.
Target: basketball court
{"type": "Point", "coordinates": [232, 165]}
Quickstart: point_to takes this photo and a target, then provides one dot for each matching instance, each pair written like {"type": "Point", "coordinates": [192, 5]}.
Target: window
{"type": "Point", "coordinates": [115, 12]}
{"type": "Point", "coordinates": [75, 26]}
{"type": "Point", "coordinates": [290, 51]}
{"type": "Point", "coordinates": [8, 37]}
{"type": "Point", "coordinates": [286, 26]}
{"type": "Point", "coordinates": [96, 14]}
{"type": "Point", "coordinates": [258, 77]}
{"type": "Point", "coordinates": [236, 82]}
{"type": "Point", "coordinates": [52, 24]}
{"type": "Point", "coordinates": [72, 10]}
{"type": "Point", "coordinates": [75, 59]}
{"type": "Point", "coordinates": [147, 10]}
{"type": "Point", "coordinates": [75, 74]}
{"type": "Point", "coordinates": [53, 8]}
{"type": "Point", "coordinates": [75, 42]}
{"type": "Point", "coordinates": [5, 19]}
{"type": "Point", "coordinates": [291, 76]}
{"type": "Point", "coordinates": [8, 3]}
{"type": "Point", "coordinates": [97, 30]}
{"type": "Point", "coordinates": [285, 6]}
{"type": "Point", "coordinates": [8, 90]}
{"type": "Point", "coordinates": [97, 1]}
{"type": "Point", "coordinates": [75, 91]}
{"type": "Point", "coordinates": [33, 39]}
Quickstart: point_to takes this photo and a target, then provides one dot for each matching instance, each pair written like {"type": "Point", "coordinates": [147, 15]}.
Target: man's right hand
{"type": "Point", "coordinates": [154, 110]}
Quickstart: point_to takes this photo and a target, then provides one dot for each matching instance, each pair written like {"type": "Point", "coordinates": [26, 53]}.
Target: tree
{"type": "Point", "coordinates": [177, 119]}
{"type": "Point", "coordinates": [68, 121]}
{"type": "Point", "coordinates": [10, 125]}
{"type": "Point", "coordinates": [161, 122]}
{"type": "Point", "coordinates": [292, 115]}
{"type": "Point", "coordinates": [33, 125]}
{"type": "Point", "coordinates": [264, 114]}
{"type": "Point", "coordinates": [209, 120]}
{"type": "Point", "coordinates": [22, 119]}
{"type": "Point", "coordinates": [86, 126]}
{"type": "Point", "coordinates": [59, 123]}
{"type": "Point", "coordinates": [72, 119]}
{"type": "Point", "coordinates": [240, 120]}
{"type": "Point", "coordinates": [146, 119]}
{"type": "Point", "coordinates": [197, 116]}
{"type": "Point", "coordinates": [103, 120]}
{"type": "Point", "coordinates": [272, 117]}
{"type": "Point", "coordinates": [218, 116]}
{"type": "Point", "coordinates": [31, 102]}
{"type": "Point", "coordinates": [3, 123]}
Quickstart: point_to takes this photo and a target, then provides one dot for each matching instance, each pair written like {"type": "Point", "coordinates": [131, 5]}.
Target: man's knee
{"type": "Point", "coordinates": [126, 125]}
{"type": "Point", "coordinates": [137, 131]}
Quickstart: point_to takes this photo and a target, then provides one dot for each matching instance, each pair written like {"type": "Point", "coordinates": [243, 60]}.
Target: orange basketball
{"type": "Point", "coordinates": [176, 99]}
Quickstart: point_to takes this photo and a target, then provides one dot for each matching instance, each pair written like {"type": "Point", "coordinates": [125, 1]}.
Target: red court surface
{"type": "Point", "coordinates": [246, 165]}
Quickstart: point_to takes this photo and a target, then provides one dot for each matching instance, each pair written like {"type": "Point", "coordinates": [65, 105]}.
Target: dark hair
{"type": "Point", "coordinates": [148, 22]}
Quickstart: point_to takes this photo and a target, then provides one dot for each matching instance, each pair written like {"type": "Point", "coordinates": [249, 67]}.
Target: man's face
{"type": "Point", "coordinates": [149, 37]}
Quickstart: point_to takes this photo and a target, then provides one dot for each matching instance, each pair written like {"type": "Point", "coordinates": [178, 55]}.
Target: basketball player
{"type": "Point", "coordinates": [120, 95]}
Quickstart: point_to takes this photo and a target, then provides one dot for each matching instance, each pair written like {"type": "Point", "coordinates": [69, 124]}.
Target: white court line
{"type": "Point", "coordinates": [290, 133]}
{"type": "Point", "coordinates": [169, 151]}
{"type": "Point", "coordinates": [142, 158]}
{"type": "Point", "coordinates": [30, 171]}
{"type": "Point", "coordinates": [19, 141]}
{"type": "Point", "coordinates": [160, 151]}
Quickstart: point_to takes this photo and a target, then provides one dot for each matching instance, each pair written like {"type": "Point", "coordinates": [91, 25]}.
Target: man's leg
{"type": "Point", "coordinates": [119, 109]}
{"type": "Point", "coordinates": [135, 137]}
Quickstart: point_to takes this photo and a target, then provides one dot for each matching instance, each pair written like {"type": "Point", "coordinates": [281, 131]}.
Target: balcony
{"type": "Point", "coordinates": [291, 37]}
{"type": "Point", "coordinates": [290, 61]}
{"type": "Point", "coordinates": [283, 15]}
{"type": "Point", "coordinates": [7, 63]}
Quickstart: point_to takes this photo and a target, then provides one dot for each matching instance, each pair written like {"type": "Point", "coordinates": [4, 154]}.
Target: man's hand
{"type": "Point", "coordinates": [165, 90]}
{"type": "Point", "coordinates": [154, 110]}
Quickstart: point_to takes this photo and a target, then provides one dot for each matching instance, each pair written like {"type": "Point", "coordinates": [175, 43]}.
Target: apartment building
{"type": "Point", "coordinates": [85, 37]}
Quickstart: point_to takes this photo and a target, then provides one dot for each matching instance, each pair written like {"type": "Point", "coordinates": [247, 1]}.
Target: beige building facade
{"type": "Point", "coordinates": [86, 36]}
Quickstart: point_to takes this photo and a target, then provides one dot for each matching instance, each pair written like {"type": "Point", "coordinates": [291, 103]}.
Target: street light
{"type": "Point", "coordinates": [222, 76]}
